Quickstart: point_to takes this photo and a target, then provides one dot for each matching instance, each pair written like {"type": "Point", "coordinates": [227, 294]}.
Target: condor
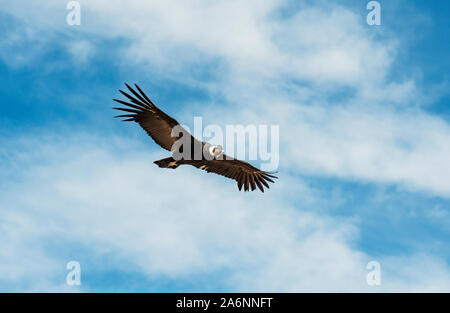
{"type": "Point", "coordinates": [160, 127]}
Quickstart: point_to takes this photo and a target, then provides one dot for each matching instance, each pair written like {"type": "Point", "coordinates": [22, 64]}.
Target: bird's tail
{"type": "Point", "coordinates": [167, 163]}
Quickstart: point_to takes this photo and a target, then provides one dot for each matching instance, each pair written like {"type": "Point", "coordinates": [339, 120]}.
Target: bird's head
{"type": "Point", "coordinates": [216, 150]}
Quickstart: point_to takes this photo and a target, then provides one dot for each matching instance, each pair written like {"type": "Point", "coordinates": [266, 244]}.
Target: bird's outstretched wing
{"type": "Point", "coordinates": [155, 122]}
{"type": "Point", "coordinates": [244, 173]}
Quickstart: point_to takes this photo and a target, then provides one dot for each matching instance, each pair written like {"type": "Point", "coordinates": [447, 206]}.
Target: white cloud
{"type": "Point", "coordinates": [372, 144]}
{"type": "Point", "coordinates": [324, 44]}
{"type": "Point", "coordinates": [175, 224]}
{"type": "Point", "coordinates": [81, 51]}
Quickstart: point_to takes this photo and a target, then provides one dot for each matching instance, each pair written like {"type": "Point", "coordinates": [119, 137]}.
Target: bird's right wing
{"type": "Point", "coordinates": [155, 122]}
{"type": "Point", "coordinates": [245, 174]}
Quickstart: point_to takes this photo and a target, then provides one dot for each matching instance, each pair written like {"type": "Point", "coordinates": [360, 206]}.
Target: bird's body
{"type": "Point", "coordinates": [185, 148]}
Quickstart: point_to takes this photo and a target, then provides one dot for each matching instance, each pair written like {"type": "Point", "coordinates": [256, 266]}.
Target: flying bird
{"type": "Point", "coordinates": [168, 133]}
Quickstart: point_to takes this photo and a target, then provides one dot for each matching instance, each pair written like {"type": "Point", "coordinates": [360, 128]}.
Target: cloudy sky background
{"type": "Point", "coordinates": [364, 169]}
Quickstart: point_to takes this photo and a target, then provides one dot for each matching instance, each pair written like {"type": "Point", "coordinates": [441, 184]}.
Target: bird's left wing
{"type": "Point", "coordinates": [242, 172]}
{"type": "Point", "coordinates": [154, 121]}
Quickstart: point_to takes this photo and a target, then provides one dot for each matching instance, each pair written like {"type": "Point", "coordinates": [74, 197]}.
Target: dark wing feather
{"type": "Point", "coordinates": [155, 122]}
{"type": "Point", "coordinates": [243, 173]}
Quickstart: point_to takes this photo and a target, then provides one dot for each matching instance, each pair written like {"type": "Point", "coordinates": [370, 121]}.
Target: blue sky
{"type": "Point", "coordinates": [364, 130]}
